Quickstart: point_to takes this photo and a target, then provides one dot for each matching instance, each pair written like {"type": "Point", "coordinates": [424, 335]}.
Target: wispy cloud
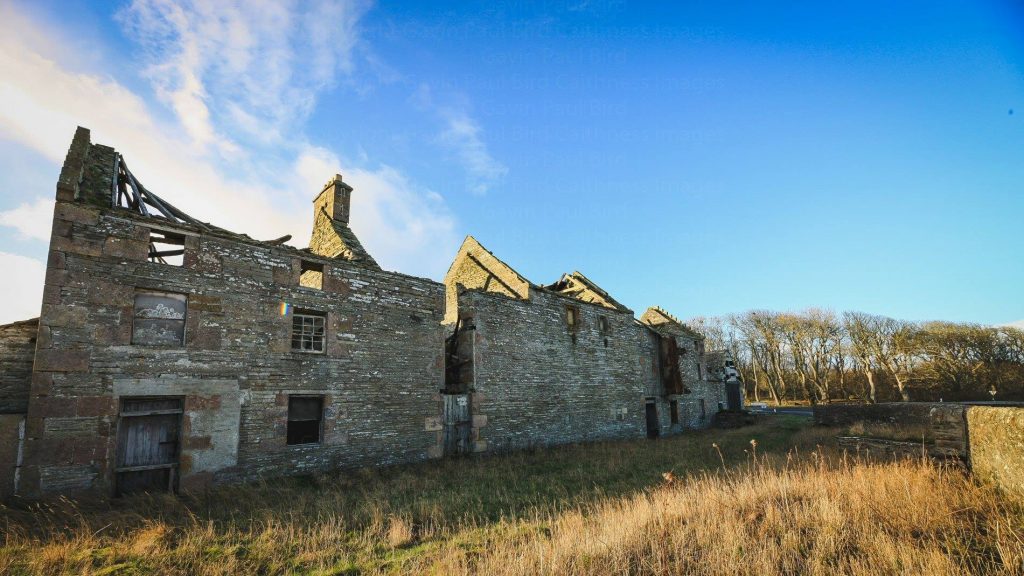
{"type": "Point", "coordinates": [248, 69]}
{"type": "Point", "coordinates": [462, 136]}
{"type": "Point", "coordinates": [46, 94]}
{"type": "Point", "coordinates": [30, 219]}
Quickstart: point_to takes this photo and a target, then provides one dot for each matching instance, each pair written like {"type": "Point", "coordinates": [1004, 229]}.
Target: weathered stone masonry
{"type": "Point", "coordinates": [379, 375]}
{"type": "Point", "coordinates": [249, 358]}
{"type": "Point", "coordinates": [565, 362]}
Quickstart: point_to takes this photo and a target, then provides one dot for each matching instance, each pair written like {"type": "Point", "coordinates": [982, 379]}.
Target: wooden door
{"type": "Point", "coordinates": [149, 439]}
{"type": "Point", "coordinates": [458, 424]}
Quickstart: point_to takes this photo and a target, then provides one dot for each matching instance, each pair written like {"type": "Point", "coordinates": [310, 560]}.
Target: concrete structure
{"type": "Point", "coordinates": [170, 353]}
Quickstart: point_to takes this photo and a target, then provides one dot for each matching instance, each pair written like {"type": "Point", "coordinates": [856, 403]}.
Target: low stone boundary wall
{"type": "Point", "coordinates": [886, 412]}
{"type": "Point", "coordinates": [947, 424]}
{"type": "Point", "coordinates": [996, 440]}
{"type": "Point", "coordinates": [989, 437]}
{"type": "Point", "coordinates": [896, 449]}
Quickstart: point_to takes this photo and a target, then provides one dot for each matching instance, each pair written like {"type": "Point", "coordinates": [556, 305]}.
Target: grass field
{"type": "Point", "coordinates": [704, 503]}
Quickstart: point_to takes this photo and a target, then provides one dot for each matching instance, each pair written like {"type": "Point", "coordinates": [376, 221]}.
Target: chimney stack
{"type": "Point", "coordinates": [335, 199]}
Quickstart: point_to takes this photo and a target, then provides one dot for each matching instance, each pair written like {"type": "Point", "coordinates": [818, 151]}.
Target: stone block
{"type": "Point", "coordinates": [74, 213]}
{"type": "Point", "coordinates": [54, 360]}
{"type": "Point", "coordinates": [97, 406]}
{"type": "Point", "coordinates": [64, 316]}
{"type": "Point", "coordinates": [126, 248]}
{"type": "Point", "coordinates": [196, 403]}
{"type": "Point", "coordinates": [197, 442]}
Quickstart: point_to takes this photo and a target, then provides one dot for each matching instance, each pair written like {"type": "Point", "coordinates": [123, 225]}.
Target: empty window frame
{"type": "Point", "coordinates": [166, 247]}
{"type": "Point", "coordinates": [703, 410]}
{"type": "Point", "coordinates": [572, 317]}
{"type": "Point", "coordinates": [308, 331]}
{"type": "Point", "coordinates": [311, 275]}
{"type": "Point", "coordinates": [572, 321]}
{"type": "Point", "coordinates": [605, 328]}
{"type": "Point", "coordinates": [305, 416]}
{"type": "Point", "coordinates": [674, 410]}
{"type": "Point", "coordinates": [159, 318]}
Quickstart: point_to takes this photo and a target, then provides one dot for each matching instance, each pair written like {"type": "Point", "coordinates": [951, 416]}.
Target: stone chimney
{"type": "Point", "coordinates": [335, 199]}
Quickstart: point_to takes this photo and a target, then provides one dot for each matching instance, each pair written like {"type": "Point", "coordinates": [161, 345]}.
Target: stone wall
{"type": "Point", "coordinates": [12, 429]}
{"type": "Point", "coordinates": [17, 348]}
{"type": "Point", "coordinates": [989, 436]}
{"type": "Point", "coordinates": [533, 386]}
{"type": "Point", "coordinates": [536, 381]}
{"type": "Point", "coordinates": [886, 412]}
{"type": "Point", "coordinates": [213, 351]}
{"type": "Point", "coordinates": [996, 436]}
{"type": "Point", "coordinates": [379, 375]}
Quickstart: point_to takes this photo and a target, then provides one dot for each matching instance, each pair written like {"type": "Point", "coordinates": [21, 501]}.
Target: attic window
{"type": "Point", "coordinates": [603, 323]}
{"type": "Point", "coordinates": [166, 247]}
{"type": "Point", "coordinates": [311, 275]}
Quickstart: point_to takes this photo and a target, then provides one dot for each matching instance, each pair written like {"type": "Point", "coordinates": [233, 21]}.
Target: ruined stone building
{"type": "Point", "coordinates": [170, 353]}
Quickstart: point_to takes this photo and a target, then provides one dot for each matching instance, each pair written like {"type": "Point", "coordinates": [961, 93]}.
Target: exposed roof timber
{"type": "Point", "coordinates": [128, 193]}
{"type": "Point", "coordinates": [575, 285]}
{"type": "Point", "coordinates": [658, 318]}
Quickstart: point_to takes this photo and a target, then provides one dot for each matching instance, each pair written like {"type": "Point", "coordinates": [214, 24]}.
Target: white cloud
{"type": "Point", "coordinates": [463, 135]}
{"type": "Point", "coordinates": [32, 220]}
{"type": "Point", "coordinates": [22, 288]}
{"type": "Point", "coordinates": [266, 195]}
{"type": "Point", "coordinates": [249, 69]}
{"type": "Point", "coordinates": [1018, 324]}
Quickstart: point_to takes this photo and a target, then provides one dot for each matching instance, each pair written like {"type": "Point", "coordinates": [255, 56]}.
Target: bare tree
{"type": "Point", "coordinates": [859, 329]}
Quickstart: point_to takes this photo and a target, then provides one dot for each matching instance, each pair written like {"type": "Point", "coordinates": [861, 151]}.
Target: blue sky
{"type": "Point", "coordinates": [706, 158]}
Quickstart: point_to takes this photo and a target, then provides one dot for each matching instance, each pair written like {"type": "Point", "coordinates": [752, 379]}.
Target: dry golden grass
{"type": "Point", "coordinates": [707, 503]}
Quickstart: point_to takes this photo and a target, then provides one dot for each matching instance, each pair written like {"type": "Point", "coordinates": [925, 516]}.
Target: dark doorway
{"type": "Point", "coordinates": [674, 408]}
{"type": "Point", "coordinates": [148, 443]}
{"type": "Point", "coordinates": [653, 428]}
{"type": "Point", "coordinates": [732, 392]}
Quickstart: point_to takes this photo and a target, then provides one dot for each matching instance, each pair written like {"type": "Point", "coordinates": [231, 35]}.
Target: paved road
{"type": "Point", "coordinates": [793, 410]}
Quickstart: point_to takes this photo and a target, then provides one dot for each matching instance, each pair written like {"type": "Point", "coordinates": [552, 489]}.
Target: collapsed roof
{"type": "Point", "coordinates": [107, 182]}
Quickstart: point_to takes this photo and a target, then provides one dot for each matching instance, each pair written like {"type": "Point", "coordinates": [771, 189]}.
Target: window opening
{"type": "Point", "coordinates": [166, 248]}
{"type": "Point", "coordinates": [308, 333]}
{"type": "Point", "coordinates": [159, 318]}
{"type": "Point", "coordinates": [305, 414]}
{"type": "Point", "coordinates": [312, 275]}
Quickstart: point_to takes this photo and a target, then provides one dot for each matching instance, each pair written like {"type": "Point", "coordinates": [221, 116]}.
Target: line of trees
{"type": "Point", "coordinates": [820, 356]}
